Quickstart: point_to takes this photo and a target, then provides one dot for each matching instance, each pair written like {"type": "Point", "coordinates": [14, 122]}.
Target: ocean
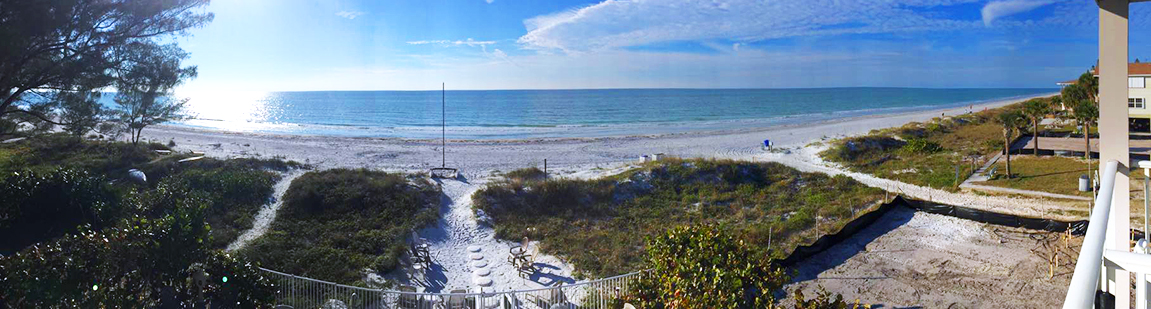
{"type": "Point", "coordinates": [514, 114]}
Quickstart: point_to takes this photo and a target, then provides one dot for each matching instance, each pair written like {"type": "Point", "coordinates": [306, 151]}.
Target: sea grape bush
{"type": "Point", "coordinates": [704, 266]}
{"type": "Point", "coordinates": [141, 262]}
{"type": "Point", "coordinates": [38, 205]}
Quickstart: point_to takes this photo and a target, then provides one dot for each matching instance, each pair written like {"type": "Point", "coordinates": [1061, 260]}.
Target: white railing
{"type": "Point", "coordinates": [1094, 260]}
{"type": "Point", "coordinates": [302, 292]}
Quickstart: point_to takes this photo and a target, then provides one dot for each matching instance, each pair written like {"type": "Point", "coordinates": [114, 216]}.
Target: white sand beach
{"type": "Point", "coordinates": [481, 161]}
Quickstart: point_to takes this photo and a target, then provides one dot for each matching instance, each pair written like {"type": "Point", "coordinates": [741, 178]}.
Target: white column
{"type": "Point", "coordinates": [1113, 135]}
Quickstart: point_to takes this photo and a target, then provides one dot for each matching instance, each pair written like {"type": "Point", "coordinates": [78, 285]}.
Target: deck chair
{"type": "Point", "coordinates": [409, 301]}
{"type": "Point", "coordinates": [556, 295]}
{"type": "Point", "coordinates": [457, 301]}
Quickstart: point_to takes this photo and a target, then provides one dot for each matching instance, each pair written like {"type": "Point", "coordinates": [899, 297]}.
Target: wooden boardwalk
{"type": "Point", "coordinates": [1075, 144]}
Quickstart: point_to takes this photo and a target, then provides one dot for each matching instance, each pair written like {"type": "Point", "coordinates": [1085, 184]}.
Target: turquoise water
{"type": "Point", "coordinates": [499, 114]}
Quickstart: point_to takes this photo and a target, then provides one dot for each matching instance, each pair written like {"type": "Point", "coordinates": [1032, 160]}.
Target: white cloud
{"type": "Point", "coordinates": [468, 42]}
{"type": "Point", "coordinates": [350, 14]}
{"type": "Point", "coordinates": [735, 47]}
{"type": "Point", "coordinates": [490, 1]}
{"type": "Point", "coordinates": [612, 23]}
{"type": "Point", "coordinates": [997, 9]}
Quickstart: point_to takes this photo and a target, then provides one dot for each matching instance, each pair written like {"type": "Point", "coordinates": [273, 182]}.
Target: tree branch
{"type": "Point", "coordinates": [35, 114]}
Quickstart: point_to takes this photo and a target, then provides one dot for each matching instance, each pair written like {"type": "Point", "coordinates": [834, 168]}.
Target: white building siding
{"type": "Point", "coordinates": [1137, 89]}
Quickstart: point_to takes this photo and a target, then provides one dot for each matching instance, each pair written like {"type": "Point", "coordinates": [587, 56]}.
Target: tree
{"type": "Point", "coordinates": [48, 46]}
{"type": "Point", "coordinates": [1080, 96]}
{"type": "Point", "coordinates": [1086, 113]}
{"type": "Point", "coordinates": [145, 81]}
{"type": "Point", "coordinates": [1089, 85]}
{"type": "Point", "coordinates": [1010, 120]}
{"type": "Point", "coordinates": [1035, 110]}
{"type": "Point", "coordinates": [80, 111]}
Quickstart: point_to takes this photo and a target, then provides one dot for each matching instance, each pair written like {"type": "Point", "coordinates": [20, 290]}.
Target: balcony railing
{"type": "Point", "coordinates": [301, 292]}
{"type": "Point", "coordinates": [1095, 264]}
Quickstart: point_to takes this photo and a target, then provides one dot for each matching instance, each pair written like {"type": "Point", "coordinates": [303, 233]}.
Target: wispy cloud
{"type": "Point", "coordinates": [997, 9]}
{"type": "Point", "coordinates": [468, 42]}
{"type": "Point", "coordinates": [350, 14]}
{"type": "Point", "coordinates": [611, 24]}
{"type": "Point", "coordinates": [490, 1]}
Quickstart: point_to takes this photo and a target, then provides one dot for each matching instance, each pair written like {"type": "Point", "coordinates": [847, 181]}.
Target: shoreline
{"type": "Point", "coordinates": [480, 158]}
{"type": "Point", "coordinates": [701, 132]}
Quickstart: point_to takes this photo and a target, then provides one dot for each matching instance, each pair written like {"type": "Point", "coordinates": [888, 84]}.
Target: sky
{"type": "Point", "coordinates": [299, 45]}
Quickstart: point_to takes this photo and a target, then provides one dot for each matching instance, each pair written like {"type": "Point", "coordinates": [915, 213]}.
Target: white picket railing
{"type": "Point", "coordinates": [302, 292]}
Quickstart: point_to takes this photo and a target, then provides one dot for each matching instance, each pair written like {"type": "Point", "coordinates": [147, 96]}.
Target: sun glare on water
{"type": "Point", "coordinates": [244, 111]}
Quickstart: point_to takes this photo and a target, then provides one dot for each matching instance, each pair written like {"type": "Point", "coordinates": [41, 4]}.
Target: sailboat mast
{"type": "Point", "coordinates": [443, 125]}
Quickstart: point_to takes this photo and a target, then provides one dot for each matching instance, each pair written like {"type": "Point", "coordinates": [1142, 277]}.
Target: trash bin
{"type": "Point", "coordinates": [1084, 183]}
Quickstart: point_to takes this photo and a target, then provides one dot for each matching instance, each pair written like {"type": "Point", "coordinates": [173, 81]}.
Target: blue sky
{"type": "Point", "coordinates": [297, 45]}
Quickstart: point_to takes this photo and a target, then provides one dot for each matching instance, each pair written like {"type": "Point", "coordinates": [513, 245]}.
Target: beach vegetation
{"type": "Point", "coordinates": [938, 154]}
{"type": "Point", "coordinates": [81, 111]}
{"type": "Point", "coordinates": [144, 261]}
{"type": "Point", "coordinates": [76, 46]}
{"type": "Point", "coordinates": [599, 225]}
{"type": "Point", "coordinates": [335, 224]}
{"type": "Point", "coordinates": [1035, 110]}
{"type": "Point", "coordinates": [1011, 121]}
{"type": "Point", "coordinates": [41, 205]}
{"type": "Point", "coordinates": [738, 276]}
{"type": "Point", "coordinates": [61, 175]}
{"type": "Point", "coordinates": [147, 76]}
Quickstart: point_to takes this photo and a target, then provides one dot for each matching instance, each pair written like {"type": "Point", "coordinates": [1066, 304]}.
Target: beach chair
{"type": "Point", "coordinates": [456, 300]}
{"type": "Point", "coordinates": [409, 301]}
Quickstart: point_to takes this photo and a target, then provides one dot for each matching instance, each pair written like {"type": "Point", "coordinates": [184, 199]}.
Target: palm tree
{"type": "Point", "coordinates": [1010, 120]}
{"type": "Point", "coordinates": [1086, 113]}
{"type": "Point", "coordinates": [1089, 83]}
{"type": "Point", "coordinates": [1084, 110]}
{"type": "Point", "coordinates": [1035, 110]}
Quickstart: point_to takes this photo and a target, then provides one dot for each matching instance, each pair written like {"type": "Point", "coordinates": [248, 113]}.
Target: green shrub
{"type": "Point", "coordinates": [705, 267]}
{"type": "Point", "coordinates": [141, 263]}
{"type": "Point", "coordinates": [920, 146]}
{"type": "Point", "coordinates": [235, 195]}
{"type": "Point", "coordinates": [523, 174]}
{"type": "Point", "coordinates": [867, 148]}
{"type": "Point", "coordinates": [336, 223]}
{"type": "Point", "coordinates": [49, 151]}
{"type": "Point", "coordinates": [37, 206]}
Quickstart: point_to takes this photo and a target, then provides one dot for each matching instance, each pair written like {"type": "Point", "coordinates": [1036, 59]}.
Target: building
{"type": "Point", "coordinates": [1137, 95]}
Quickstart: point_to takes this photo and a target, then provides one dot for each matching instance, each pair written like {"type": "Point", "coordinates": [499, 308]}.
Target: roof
{"type": "Point", "coordinates": [1138, 68]}
{"type": "Point", "coordinates": [1068, 82]}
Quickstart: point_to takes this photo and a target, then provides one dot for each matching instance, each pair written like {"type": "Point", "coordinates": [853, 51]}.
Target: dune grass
{"type": "Point", "coordinates": [600, 225]}
{"type": "Point", "coordinates": [336, 224]}
{"type": "Point", "coordinates": [889, 153]}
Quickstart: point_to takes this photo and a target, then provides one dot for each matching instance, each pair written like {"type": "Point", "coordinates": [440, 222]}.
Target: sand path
{"type": "Point", "coordinates": [267, 214]}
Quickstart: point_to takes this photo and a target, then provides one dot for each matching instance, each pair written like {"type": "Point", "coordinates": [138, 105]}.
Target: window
{"type": "Point", "coordinates": [1135, 103]}
{"type": "Point", "coordinates": [1135, 82]}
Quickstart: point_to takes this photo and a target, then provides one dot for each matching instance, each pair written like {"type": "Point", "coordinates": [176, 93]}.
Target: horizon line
{"type": "Point", "coordinates": [647, 88]}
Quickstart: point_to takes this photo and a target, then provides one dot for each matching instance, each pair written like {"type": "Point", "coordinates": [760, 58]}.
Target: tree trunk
{"type": "Point", "coordinates": [1007, 151]}
{"type": "Point", "coordinates": [1086, 142]}
{"type": "Point", "coordinates": [1035, 135]}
